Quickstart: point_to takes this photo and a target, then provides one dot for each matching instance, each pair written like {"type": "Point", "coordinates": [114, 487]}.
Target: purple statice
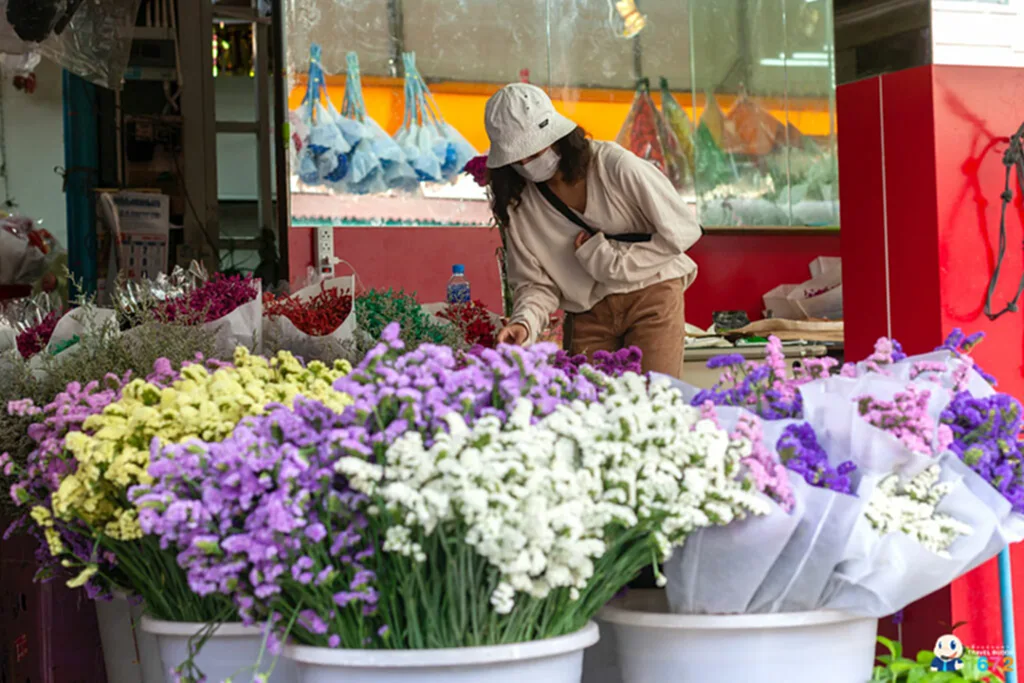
{"type": "Point", "coordinates": [960, 344]}
{"type": "Point", "coordinates": [765, 389]}
{"type": "Point", "coordinates": [767, 472]}
{"type": "Point", "coordinates": [395, 392]}
{"type": "Point", "coordinates": [613, 364]}
{"type": "Point", "coordinates": [47, 465]}
{"type": "Point", "coordinates": [986, 436]}
{"type": "Point", "coordinates": [800, 451]}
{"type": "Point", "coordinates": [263, 518]}
{"type": "Point", "coordinates": [906, 418]}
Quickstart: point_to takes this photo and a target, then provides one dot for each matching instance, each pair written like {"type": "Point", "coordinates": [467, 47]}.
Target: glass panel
{"type": "Point", "coordinates": [763, 77]}
{"type": "Point", "coordinates": [748, 134]}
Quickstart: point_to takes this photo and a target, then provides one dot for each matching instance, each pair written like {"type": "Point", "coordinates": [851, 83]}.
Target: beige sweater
{"type": "Point", "coordinates": [624, 194]}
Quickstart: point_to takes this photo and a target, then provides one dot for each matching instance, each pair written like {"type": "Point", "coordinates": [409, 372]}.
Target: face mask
{"type": "Point", "coordinates": [541, 169]}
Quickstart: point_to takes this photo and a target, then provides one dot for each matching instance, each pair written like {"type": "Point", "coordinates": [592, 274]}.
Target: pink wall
{"type": "Point", "coordinates": [735, 270]}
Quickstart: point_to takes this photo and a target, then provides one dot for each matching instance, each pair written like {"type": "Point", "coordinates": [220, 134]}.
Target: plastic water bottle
{"type": "Point", "coordinates": [458, 286]}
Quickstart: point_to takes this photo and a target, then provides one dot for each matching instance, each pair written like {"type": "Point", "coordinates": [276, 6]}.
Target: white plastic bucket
{"type": "Point", "coordinates": [553, 660]}
{"type": "Point", "coordinates": [129, 655]}
{"type": "Point", "coordinates": [642, 643]}
{"type": "Point", "coordinates": [232, 650]}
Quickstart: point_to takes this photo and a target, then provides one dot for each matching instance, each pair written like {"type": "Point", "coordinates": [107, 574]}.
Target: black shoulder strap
{"type": "Point", "coordinates": [561, 208]}
{"type": "Point", "coordinates": [574, 217]}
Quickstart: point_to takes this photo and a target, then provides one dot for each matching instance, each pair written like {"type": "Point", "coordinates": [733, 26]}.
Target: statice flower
{"type": "Point", "coordinates": [887, 352]}
{"type": "Point", "coordinates": [986, 436]}
{"type": "Point", "coordinates": [64, 543]}
{"type": "Point", "coordinates": [906, 418]}
{"type": "Point", "coordinates": [395, 391]}
{"type": "Point", "coordinates": [960, 344]}
{"type": "Point", "coordinates": [614, 364]}
{"type": "Point", "coordinates": [768, 389]}
{"type": "Point", "coordinates": [910, 508]}
{"type": "Point", "coordinates": [261, 517]}
{"type": "Point", "coordinates": [768, 473]}
{"type": "Point", "coordinates": [800, 451]}
{"type": "Point", "coordinates": [546, 503]}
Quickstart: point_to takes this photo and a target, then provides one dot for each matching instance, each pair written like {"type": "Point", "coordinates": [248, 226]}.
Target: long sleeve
{"type": "Point", "coordinates": [675, 228]}
{"type": "Point", "coordinates": [536, 297]}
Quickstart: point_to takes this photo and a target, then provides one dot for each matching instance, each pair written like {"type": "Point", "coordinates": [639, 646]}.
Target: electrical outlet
{"type": "Point", "coordinates": [325, 251]}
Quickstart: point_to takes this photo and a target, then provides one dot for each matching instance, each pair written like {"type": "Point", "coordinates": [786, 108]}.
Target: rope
{"type": "Point", "coordinates": [1013, 158]}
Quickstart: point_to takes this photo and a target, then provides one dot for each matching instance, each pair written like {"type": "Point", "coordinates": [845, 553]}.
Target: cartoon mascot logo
{"type": "Point", "coordinates": [949, 652]}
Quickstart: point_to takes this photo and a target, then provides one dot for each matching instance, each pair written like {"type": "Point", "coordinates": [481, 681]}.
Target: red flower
{"type": "Point", "coordinates": [475, 321]}
{"type": "Point", "coordinates": [477, 167]}
{"type": "Point", "coordinates": [317, 317]}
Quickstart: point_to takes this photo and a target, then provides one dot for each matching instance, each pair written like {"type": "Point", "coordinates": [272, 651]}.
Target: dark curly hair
{"type": "Point", "coordinates": [506, 186]}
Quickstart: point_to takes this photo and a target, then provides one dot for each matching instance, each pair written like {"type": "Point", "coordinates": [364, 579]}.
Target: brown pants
{"type": "Point", "coordinates": [651, 319]}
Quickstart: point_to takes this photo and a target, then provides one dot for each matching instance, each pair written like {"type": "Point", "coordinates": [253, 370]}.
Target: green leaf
{"type": "Point", "coordinates": [918, 675]}
{"type": "Point", "coordinates": [889, 645]}
{"type": "Point", "coordinates": [902, 666]}
{"type": "Point", "coordinates": [925, 657]}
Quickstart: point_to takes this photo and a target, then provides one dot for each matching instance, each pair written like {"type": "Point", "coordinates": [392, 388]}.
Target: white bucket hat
{"type": "Point", "coordinates": [520, 122]}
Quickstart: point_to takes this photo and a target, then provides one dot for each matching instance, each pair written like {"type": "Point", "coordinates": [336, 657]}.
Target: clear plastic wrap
{"type": "Point", "coordinates": [97, 42]}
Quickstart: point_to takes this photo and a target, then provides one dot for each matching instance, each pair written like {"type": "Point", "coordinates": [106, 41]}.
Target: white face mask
{"type": "Point", "coordinates": [541, 169]}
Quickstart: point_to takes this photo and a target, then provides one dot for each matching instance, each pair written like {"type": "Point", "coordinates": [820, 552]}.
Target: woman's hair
{"type": "Point", "coordinates": [506, 186]}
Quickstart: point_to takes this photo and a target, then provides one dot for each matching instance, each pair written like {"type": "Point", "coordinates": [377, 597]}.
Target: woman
{"type": "Point", "coordinates": [590, 228]}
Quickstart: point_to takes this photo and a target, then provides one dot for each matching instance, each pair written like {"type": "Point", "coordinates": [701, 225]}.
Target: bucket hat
{"type": "Point", "coordinates": [521, 121]}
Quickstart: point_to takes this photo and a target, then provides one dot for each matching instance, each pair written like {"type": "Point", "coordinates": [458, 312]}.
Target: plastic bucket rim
{"type": "Point", "coordinates": [626, 612]}
{"type": "Point", "coordinates": [187, 629]}
{"type": "Point", "coordinates": [458, 657]}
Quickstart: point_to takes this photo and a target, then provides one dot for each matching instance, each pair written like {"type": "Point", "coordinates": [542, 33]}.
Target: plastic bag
{"type": "Point", "coordinates": [435, 150]}
{"type": "Point", "coordinates": [377, 162]}
{"type": "Point", "coordinates": [646, 134]}
{"type": "Point", "coordinates": [755, 131]}
{"type": "Point", "coordinates": [680, 125]}
{"type": "Point", "coordinates": [322, 151]}
{"type": "Point", "coordinates": [712, 166]}
{"type": "Point", "coordinates": [97, 42]}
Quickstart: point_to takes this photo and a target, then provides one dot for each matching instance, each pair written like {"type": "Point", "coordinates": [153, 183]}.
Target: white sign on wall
{"type": "Point", "coordinates": [978, 32]}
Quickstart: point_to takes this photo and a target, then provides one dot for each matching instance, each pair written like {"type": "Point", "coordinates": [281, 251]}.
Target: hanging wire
{"type": "Point", "coordinates": [1013, 158]}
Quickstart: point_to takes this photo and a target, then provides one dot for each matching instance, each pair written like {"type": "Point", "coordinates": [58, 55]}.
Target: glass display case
{"type": "Point", "coordinates": [732, 99]}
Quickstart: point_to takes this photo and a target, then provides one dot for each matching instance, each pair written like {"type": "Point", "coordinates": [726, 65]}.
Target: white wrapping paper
{"type": "Point", "coordinates": [826, 554]}
{"type": "Point", "coordinates": [241, 327]}
{"type": "Point", "coordinates": [281, 334]}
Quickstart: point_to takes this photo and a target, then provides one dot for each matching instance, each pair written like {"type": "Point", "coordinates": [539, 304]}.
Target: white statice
{"type": "Point", "coordinates": [539, 501]}
{"type": "Point", "coordinates": [910, 508]}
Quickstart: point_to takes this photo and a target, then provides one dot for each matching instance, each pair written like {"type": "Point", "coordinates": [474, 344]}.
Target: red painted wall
{"type": "Point", "coordinates": [923, 251]}
{"type": "Point", "coordinates": [735, 270]}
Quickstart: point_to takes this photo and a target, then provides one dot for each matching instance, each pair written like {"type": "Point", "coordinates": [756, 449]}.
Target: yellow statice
{"type": "Point", "coordinates": [113, 449]}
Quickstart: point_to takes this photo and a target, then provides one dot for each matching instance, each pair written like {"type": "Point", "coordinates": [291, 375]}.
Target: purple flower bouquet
{"type": "Point", "coordinates": [895, 463]}
{"type": "Point", "coordinates": [462, 499]}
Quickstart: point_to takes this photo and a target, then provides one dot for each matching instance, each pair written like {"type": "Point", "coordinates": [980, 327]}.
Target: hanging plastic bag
{"type": "Point", "coordinates": [679, 123]}
{"type": "Point", "coordinates": [322, 150]}
{"type": "Point", "coordinates": [435, 150]}
{"type": "Point", "coordinates": [757, 132]}
{"type": "Point", "coordinates": [647, 135]}
{"type": "Point", "coordinates": [712, 166]}
{"type": "Point", "coordinates": [377, 163]}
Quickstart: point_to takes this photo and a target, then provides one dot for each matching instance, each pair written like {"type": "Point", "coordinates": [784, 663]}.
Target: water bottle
{"type": "Point", "coordinates": [458, 286]}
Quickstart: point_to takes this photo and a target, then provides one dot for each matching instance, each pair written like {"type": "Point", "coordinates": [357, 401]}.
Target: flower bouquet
{"type": "Point", "coordinates": [907, 467]}
{"type": "Point", "coordinates": [93, 446]}
{"type": "Point", "coordinates": [481, 500]}
{"type": "Point", "coordinates": [315, 322]}
{"type": "Point", "coordinates": [229, 306]}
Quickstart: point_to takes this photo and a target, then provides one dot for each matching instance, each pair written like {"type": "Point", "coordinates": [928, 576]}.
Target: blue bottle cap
{"type": "Point", "coordinates": [458, 269]}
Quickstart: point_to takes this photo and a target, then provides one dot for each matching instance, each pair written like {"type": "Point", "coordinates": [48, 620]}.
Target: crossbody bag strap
{"type": "Point", "coordinates": [561, 208]}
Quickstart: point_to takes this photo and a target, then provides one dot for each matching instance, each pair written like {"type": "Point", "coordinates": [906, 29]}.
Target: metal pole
{"type": "Point", "coordinates": [1006, 608]}
{"type": "Point", "coordinates": [396, 35]}
{"type": "Point", "coordinates": [81, 162]}
{"type": "Point", "coordinates": [281, 139]}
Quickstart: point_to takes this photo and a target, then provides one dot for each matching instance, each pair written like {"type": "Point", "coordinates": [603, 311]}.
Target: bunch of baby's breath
{"type": "Point", "coordinates": [101, 349]}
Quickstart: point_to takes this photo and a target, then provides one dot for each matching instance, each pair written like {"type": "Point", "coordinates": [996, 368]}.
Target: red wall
{"type": "Point", "coordinates": [920, 156]}
{"type": "Point", "coordinates": [735, 270]}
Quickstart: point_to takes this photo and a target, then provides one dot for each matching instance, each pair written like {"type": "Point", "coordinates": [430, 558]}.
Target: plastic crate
{"type": "Point", "coordinates": [48, 632]}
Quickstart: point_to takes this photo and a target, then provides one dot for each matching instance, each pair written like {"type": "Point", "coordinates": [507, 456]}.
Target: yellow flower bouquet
{"type": "Point", "coordinates": [110, 454]}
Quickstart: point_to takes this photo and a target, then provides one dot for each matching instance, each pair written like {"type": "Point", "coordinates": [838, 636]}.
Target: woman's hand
{"type": "Point", "coordinates": [515, 334]}
{"type": "Point", "coordinates": [581, 239]}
